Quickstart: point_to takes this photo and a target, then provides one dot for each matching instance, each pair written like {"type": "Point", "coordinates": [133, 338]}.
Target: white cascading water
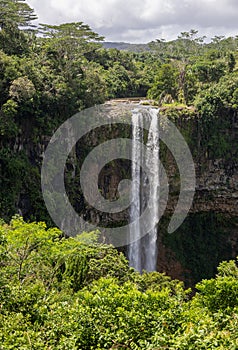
{"type": "Point", "coordinates": [143, 251]}
{"type": "Point", "coordinates": [135, 247]}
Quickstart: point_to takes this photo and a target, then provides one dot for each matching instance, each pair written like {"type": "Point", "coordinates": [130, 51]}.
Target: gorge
{"type": "Point", "coordinates": [209, 233]}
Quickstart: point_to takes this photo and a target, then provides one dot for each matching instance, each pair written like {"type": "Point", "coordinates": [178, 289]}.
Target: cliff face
{"type": "Point", "coordinates": [209, 233]}
{"type": "Point", "coordinates": [217, 187]}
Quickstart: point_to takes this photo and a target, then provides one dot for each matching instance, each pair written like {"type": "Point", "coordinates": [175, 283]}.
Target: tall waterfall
{"type": "Point", "coordinates": [143, 250]}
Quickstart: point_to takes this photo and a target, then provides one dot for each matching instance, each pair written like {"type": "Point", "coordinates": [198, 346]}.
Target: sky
{"type": "Point", "coordinates": [141, 21]}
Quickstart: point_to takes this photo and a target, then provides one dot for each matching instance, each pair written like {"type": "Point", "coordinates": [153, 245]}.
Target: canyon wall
{"type": "Point", "coordinates": [210, 231]}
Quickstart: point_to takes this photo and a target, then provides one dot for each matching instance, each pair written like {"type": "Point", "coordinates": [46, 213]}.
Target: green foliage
{"type": "Point", "coordinates": [15, 14]}
{"type": "Point", "coordinates": [8, 127]}
{"type": "Point", "coordinates": [76, 261]}
{"type": "Point", "coordinates": [74, 293]}
{"type": "Point", "coordinates": [165, 84]}
{"type": "Point", "coordinates": [118, 81]}
{"type": "Point", "coordinates": [16, 11]}
{"type": "Point", "coordinates": [69, 39]}
{"type": "Point", "coordinates": [208, 71]}
{"type": "Point", "coordinates": [221, 293]}
{"type": "Point", "coordinates": [231, 62]}
{"type": "Point", "coordinates": [22, 89]}
{"type": "Point", "coordinates": [217, 106]}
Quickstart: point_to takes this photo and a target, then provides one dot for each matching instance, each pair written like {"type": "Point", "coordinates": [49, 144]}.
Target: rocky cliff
{"type": "Point", "coordinates": [209, 233]}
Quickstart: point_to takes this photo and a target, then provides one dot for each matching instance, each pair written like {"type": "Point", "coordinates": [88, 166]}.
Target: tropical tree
{"type": "Point", "coordinates": [69, 40]}
{"type": "Point", "coordinates": [15, 25]}
{"type": "Point", "coordinates": [166, 83]}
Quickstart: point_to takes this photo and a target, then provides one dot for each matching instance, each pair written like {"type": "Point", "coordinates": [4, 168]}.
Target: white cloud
{"type": "Point", "coordinates": [143, 20]}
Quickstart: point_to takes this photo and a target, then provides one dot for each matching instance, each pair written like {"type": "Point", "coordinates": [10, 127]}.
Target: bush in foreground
{"type": "Point", "coordinates": [73, 293]}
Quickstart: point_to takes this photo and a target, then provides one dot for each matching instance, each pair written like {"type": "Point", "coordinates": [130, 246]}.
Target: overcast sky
{"type": "Point", "coordinates": [141, 21]}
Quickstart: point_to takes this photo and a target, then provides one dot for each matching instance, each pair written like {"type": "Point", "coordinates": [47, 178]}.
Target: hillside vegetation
{"type": "Point", "coordinates": [74, 293]}
{"type": "Point", "coordinates": [50, 72]}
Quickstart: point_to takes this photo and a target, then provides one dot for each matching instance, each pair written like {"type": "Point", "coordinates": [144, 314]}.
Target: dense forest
{"type": "Point", "coordinates": [48, 73]}
{"type": "Point", "coordinates": [76, 293]}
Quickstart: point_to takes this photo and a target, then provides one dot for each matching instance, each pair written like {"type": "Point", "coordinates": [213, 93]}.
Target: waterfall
{"type": "Point", "coordinates": [137, 134]}
{"type": "Point", "coordinates": [152, 163]}
{"type": "Point", "coordinates": [143, 250]}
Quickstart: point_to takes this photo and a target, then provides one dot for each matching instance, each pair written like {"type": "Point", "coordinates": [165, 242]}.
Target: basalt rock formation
{"type": "Point", "coordinates": [208, 235]}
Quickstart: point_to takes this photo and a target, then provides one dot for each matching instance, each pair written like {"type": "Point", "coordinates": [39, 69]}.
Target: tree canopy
{"type": "Point", "coordinates": [17, 13]}
{"type": "Point", "coordinates": [74, 293]}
